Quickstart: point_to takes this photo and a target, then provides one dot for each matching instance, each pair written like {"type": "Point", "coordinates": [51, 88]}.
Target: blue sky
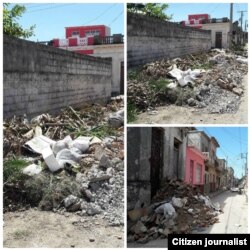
{"type": "Point", "coordinates": [181, 11]}
{"type": "Point", "coordinates": [233, 142]}
{"type": "Point", "coordinates": [51, 19]}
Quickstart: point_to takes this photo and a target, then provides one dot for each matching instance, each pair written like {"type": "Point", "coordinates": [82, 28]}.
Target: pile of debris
{"type": "Point", "coordinates": [210, 81]}
{"type": "Point", "coordinates": [75, 162]}
{"type": "Point", "coordinates": [177, 208]}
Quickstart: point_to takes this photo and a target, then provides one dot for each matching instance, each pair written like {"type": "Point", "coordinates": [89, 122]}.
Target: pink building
{"type": "Point", "coordinates": [195, 167]}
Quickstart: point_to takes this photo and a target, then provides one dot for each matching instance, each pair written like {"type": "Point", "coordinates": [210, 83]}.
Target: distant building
{"type": "Point", "coordinates": [220, 29]}
{"type": "Point", "coordinates": [96, 40]}
{"type": "Point", "coordinates": [207, 146]}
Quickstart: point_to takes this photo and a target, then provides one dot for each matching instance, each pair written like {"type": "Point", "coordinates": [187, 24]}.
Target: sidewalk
{"type": "Point", "coordinates": [214, 194]}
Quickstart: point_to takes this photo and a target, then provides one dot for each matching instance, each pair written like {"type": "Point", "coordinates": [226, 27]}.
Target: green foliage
{"type": "Point", "coordinates": [132, 111]}
{"type": "Point", "coordinates": [10, 21]}
{"type": "Point", "coordinates": [12, 169]}
{"type": "Point", "coordinates": [156, 10]}
{"type": "Point", "coordinates": [158, 85]}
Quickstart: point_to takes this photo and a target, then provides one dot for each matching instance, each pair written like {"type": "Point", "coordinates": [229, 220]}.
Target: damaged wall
{"type": "Point", "coordinates": [151, 39]}
{"type": "Point", "coordinates": [143, 165]}
{"type": "Point", "coordinates": [138, 167]}
{"type": "Point", "coordinates": [39, 78]}
{"type": "Point", "coordinates": [175, 143]}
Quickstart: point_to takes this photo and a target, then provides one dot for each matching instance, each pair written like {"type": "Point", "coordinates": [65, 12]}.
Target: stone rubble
{"type": "Point", "coordinates": [176, 208]}
{"type": "Point", "coordinates": [89, 184]}
{"type": "Point", "coordinates": [211, 82]}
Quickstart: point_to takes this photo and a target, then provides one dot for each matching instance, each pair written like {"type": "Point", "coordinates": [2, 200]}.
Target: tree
{"type": "Point", "coordinates": [10, 24]}
{"type": "Point", "coordinates": [156, 10]}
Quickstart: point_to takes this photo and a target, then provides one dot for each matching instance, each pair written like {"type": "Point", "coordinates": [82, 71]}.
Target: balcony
{"type": "Point", "coordinates": [115, 39]}
{"type": "Point", "coordinates": [206, 154]}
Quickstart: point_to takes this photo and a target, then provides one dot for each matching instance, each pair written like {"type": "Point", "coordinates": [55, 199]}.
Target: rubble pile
{"type": "Point", "coordinates": [72, 166]}
{"type": "Point", "coordinates": [176, 208]}
{"type": "Point", "coordinates": [209, 81]}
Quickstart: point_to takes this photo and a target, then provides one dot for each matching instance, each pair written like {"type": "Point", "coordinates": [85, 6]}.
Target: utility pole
{"type": "Point", "coordinates": [231, 26]}
{"type": "Point", "coordinates": [241, 21]}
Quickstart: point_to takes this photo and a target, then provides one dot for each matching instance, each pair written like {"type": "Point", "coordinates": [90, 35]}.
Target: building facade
{"type": "Point", "coordinates": [97, 41]}
{"type": "Point", "coordinates": [195, 168]}
{"type": "Point", "coordinates": [153, 156]}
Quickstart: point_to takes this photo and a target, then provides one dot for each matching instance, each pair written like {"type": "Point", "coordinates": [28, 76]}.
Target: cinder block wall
{"type": "Point", "coordinates": [39, 78]}
{"type": "Point", "coordinates": [150, 39]}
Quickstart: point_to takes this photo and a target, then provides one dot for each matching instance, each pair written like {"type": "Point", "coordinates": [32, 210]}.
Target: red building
{"type": "Point", "coordinates": [82, 36]}
{"type": "Point", "coordinates": [195, 167]}
{"type": "Point", "coordinates": [196, 20]}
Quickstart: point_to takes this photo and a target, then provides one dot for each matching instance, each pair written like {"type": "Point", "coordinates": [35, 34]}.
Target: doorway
{"type": "Point", "coordinates": [218, 40]}
{"type": "Point", "coordinates": [156, 159]}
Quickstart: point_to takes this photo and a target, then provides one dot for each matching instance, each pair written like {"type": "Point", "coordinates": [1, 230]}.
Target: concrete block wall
{"type": "Point", "coordinates": [39, 78]}
{"type": "Point", "coordinates": [150, 39]}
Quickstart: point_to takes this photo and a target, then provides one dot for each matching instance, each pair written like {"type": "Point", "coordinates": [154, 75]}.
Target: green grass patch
{"type": "Point", "coordinates": [132, 111]}
{"type": "Point", "coordinates": [100, 131]}
{"type": "Point", "coordinates": [205, 66]}
{"type": "Point", "coordinates": [19, 234]}
{"type": "Point", "coordinates": [158, 85]}
{"type": "Point", "coordinates": [12, 169]}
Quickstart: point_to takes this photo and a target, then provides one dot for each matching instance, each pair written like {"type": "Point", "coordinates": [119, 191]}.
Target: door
{"type": "Point", "coordinates": [156, 159]}
{"type": "Point", "coordinates": [122, 79]}
{"type": "Point", "coordinates": [191, 172]}
{"type": "Point", "coordinates": [218, 40]}
{"type": "Point", "coordinates": [176, 158]}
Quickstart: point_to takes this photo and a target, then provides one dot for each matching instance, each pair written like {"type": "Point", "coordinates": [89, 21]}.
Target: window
{"type": "Point", "coordinates": [92, 33]}
{"type": "Point", "coordinates": [75, 33]}
{"type": "Point", "coordinates": [198, 174]}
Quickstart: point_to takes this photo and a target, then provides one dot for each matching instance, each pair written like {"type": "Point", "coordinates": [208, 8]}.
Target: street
{"type": "Point", "coordinates": [234, 217]}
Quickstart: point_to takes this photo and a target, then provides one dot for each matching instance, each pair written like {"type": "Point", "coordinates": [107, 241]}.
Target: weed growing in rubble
{"type": "Point", "coordinates": [158, 85]}
{"type": "Point", "coordinates": [19, 234]}
{"type": "Point", "coordinates": [132, 111]}
{"type": "Point", "coordinates": [12, 169]}
{"type": "Point", "coordinates": [100, 131]}
{"type": "Point", "coordinates": [205, 66]}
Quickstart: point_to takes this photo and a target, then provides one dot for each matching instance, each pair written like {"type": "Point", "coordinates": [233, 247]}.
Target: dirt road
{"type": "Point", "coordinates": [183, 115]}
{"type": "Point", "coordinates": [33, 229]}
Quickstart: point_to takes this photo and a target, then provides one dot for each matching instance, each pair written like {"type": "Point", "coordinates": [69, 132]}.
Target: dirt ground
{"type": "Point", "coordinates": [182, 115]}
{"type": "Point", "coordinates": [40, 229]}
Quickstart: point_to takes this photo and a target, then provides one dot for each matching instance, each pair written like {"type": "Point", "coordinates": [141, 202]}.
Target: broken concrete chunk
{"type": "Point", "coordinates": [50, 159]}
{"type": "Point", "coordinates": [237, 91]}
{"type": "Point", "coordinates": [177, 202]}
{"type": "Point", "coordinates": [95, 140]}
{"type": "Point", "coordinates": [140, 228]}
{"type": "Point", "coordinates": [70, 200]}
{"type": "Point", "coordinates": [32, 169]}
{"type": "Point", "coordinates": [105, 162]}
{"type": "Point", "coordinates": [116, 119]}
{"type": "Point", "coordinates": [93, 209]}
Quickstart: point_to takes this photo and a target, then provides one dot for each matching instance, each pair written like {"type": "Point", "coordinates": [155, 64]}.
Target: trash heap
{"type": "Point", "coordinates": [75, 162]}
{"type": "Point", "coordinates": [209, 81]}
{"type": "Point", "coordinates": [176, 208]}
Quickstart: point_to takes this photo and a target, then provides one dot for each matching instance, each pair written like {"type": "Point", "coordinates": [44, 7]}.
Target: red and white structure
{"type": "Point", "coordinates": [196, 20]}
{"type": "Point", "coordinates": [82, 36]}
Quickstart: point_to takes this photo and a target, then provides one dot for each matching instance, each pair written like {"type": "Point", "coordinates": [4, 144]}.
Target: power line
{"type": "Point", "coordinates": [104, 12]}
{"type": "Point", "coordinates": [116, 18]}
{"type": "Point", "coordinates": [215, 8]}
{"type": "Point", "coordinates": [32, 6]}
{"type": "Point", "coordinates": [49, 8]}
